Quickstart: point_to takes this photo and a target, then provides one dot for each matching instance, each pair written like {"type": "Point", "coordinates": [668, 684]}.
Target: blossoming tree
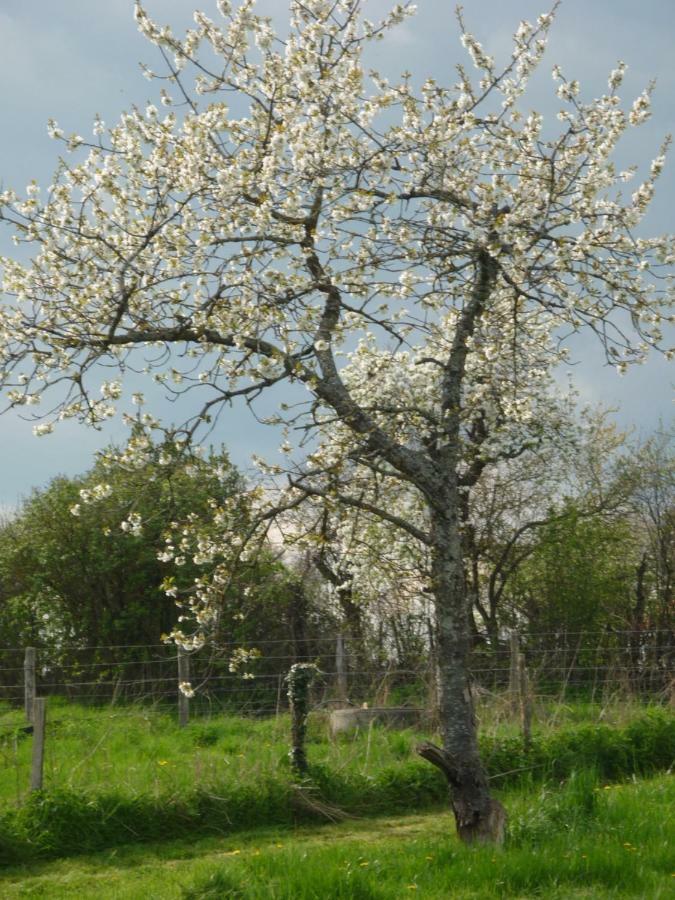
{"type": "Point", "coordinates": [415, 257]}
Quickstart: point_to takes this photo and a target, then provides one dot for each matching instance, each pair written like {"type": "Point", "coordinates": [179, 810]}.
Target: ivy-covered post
{"type": "Point", "coordinates": [300, 677]}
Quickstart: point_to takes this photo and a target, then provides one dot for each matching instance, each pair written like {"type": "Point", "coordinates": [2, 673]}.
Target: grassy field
{"type": "Point", "coordinates": [143, 750]}
{"type": "Point", "coordinates": [584, 839]}
{"type": "Point", "coordinates": [135, 807]}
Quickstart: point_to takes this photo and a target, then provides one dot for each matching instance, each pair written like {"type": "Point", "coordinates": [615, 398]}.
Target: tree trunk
{"type": "Point", "coordinates": [297, 621]}
{"type": "Point", "coordinates": [479, 818]}
{"type": "Point", "coordinates": [353, 618]}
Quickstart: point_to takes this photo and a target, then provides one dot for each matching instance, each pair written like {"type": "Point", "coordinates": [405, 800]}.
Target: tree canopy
{"type": "Point", "coordinates": [81, 560]}
{"type": "Point", "coordinates": [414, 256]}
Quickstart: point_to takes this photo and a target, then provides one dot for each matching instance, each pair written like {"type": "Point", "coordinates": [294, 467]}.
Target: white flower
{"type": "Point", "coordinates": [53, 130]}
{"type": "Point", "coordinates": [568, 90]}
{"type": "Point", "coordinates": [616, 76]}
{"type": "Point", "coordinates": [111, 390]}
{"type": "Point", "coordinates": [133, 524]}
{"type": "Point", "coordinates": [641, 109]}
{"type": "Point", "coordinates": [101, 491]}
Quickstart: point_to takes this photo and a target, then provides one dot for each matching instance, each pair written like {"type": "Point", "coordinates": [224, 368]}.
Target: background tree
{"type": "Point", "coordinates": [83, 552]}
{"type": "Point", "coordinates": [577, 468]}
{"type": "Point", "coordinates": [578, 578]}
{"type": "Point", "coordinates": [441, 231]}
{"type": "Point", "coordinates": [650, 469]}
{"type": "Point", "coordinates": [84, 576]}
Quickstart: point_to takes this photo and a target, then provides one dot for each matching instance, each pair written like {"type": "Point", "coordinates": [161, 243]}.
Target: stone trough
{"type": "Point", "coordinates": [346, 721]}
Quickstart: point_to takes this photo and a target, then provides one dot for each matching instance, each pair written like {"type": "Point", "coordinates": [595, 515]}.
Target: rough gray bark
{"type": "Point", "coordinates": [479, 818]}
{"type": "Point", "coordinates": [485, 827]}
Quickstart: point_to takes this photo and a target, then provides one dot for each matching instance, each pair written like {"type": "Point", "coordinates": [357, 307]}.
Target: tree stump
{"type": "Point", "coordinates": [479, 818]}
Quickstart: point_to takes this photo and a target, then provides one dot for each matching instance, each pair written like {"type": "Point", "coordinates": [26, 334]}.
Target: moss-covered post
{"type": "Point", "coordinates": [39, 719]}
{"type": "Point", "coordinates": [299, 678]}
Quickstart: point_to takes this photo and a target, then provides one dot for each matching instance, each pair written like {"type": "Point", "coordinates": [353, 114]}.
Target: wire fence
{"type": "Point", "coordinates": [249, 678]}
{"type": "Point", "coordinates": [103, 715]}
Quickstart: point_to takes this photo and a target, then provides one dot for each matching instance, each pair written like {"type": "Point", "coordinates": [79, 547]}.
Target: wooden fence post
{"type": "Point", "coordinates": [39, 722]}
{"type": "Point", "coordinates": [280, 684]}
{"type": "Point", "coordinates": [183, 678]}
{"type": "Point", "coordinates": [514, 676]}
{"type": "Point", "coordinates": [341, 670]}
{"type": "Point", "coordinates": [29, 681]}
{"type": "Point", "coordinates": [525, 702]}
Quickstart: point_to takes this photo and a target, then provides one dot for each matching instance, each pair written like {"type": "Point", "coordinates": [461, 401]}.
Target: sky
{"type": "Point", "coordinates": [74, 58]}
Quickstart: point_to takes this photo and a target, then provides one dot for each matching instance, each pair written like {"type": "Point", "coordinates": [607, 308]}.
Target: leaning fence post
{"type": "Point", "coordinates": [184, 688]}
{"type": "Point", "coordinates": [39, 721]}
{"type": "Point", "coordinates": [29, 681]}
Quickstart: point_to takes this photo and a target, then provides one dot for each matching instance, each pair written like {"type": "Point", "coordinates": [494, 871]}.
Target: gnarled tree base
{"type": "Point", "coordinates": [479, 818]}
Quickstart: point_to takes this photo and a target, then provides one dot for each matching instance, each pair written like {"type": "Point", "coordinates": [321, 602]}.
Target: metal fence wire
{"type": "Point", "coordinates": [250, 678]}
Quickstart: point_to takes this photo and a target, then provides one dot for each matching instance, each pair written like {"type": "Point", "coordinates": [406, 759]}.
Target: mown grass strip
{"type": "Point", "coordinates": [584, 839]}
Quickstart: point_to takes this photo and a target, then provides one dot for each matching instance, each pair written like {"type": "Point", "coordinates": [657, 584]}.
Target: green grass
{"type": "Point", "coordinates": [582, 839]}
{"type": "Point", "coordinates": [143, 750]}
{"type": "Point", "coordinates": [117, 776]}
